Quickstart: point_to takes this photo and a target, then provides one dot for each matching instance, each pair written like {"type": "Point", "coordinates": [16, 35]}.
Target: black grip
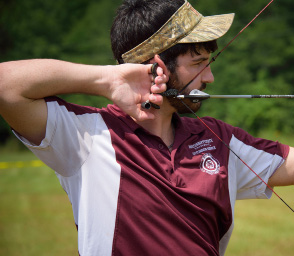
{"type": "Point", "coordinates": [153, 69]}
{"type": "Point", "coordinates": [147, 104]}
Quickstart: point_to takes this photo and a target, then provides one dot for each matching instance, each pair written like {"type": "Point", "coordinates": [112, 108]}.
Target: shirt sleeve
{"type": "Point", "coordinates": [68, 139]}
{"type": "Point", "coordinates": [259, 159]}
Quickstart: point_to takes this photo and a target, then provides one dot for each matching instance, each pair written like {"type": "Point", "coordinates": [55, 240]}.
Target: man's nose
{"type": "Point", "coordinates": [207, 76]}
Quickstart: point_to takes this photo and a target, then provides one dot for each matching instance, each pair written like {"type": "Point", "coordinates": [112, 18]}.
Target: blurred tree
{"type": "Point", "coordinates": [75, 31]}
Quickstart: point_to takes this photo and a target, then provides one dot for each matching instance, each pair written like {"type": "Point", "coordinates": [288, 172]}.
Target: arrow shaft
{"type": "Point", "coordinates": [207, 96]}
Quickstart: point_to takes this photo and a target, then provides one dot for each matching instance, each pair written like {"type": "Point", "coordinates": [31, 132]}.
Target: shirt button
{"type": "Point", "coordinates": [160, 146]}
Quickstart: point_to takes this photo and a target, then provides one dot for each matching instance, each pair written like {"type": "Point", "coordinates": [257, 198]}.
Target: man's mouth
{"type": "Point", "coordinates": [203, 87]}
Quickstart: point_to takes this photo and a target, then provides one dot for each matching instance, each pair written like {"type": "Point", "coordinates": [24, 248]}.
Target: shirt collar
{"type": "Point", "coordinates": [186, 125]}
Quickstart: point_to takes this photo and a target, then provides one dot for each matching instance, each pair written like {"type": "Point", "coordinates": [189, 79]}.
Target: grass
{"type": "Point", "coordinates": [35, 213]}
{"type": "Point", "coordinates": [36, 217]}
{"type": "Point", "coordinates": [264, 227]}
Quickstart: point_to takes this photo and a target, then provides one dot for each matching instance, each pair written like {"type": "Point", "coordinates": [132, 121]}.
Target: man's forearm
{"type": "Point", "coordinates": [39, 78]}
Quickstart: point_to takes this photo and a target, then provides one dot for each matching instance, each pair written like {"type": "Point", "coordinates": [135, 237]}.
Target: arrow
{"type": "Point", "coordinates": [197, 95]}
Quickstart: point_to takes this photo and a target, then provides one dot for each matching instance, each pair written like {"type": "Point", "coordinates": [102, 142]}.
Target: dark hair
{"type": "Point", "coordinates": [137, 20]}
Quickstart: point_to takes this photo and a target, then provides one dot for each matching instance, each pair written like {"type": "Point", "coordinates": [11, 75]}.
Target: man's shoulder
{"type": "Point", "coordinates": [72, 107]}
{"type": "Point", "coordinates": [208, 124]}
{"type": "Point", "coordinates": [207, 119]}
{"type": "Point", "coordinates": [110, 114]}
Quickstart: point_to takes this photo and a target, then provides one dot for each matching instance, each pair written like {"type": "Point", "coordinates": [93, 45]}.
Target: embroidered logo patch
{"type": "Point", "coordinates": [202, 146]}
{"type": "Point", "coordinates": [209, 164]}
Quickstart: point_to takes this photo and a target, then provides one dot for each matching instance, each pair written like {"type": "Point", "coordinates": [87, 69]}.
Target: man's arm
{"type": "Point", "coordinates": [25, 84]}
{"type": "Point", "coordinates": [284, 176]}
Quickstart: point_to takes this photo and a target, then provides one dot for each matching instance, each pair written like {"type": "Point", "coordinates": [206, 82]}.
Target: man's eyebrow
{"type": "Point", "coordinates": [200, 59]}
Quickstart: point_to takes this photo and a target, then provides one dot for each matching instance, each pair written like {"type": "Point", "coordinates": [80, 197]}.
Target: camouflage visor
{"type": "Point", "coordinates": [186, 25]}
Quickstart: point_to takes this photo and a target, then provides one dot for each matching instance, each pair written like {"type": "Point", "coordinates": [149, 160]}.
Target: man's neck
{"type": "Point", "coordinates": [161, 126]}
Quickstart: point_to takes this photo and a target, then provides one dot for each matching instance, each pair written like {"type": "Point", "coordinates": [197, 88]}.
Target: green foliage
{"type": "Point", "coordinates": [69, 30]}
{"type": "Point", "coordinates": [259, 61]}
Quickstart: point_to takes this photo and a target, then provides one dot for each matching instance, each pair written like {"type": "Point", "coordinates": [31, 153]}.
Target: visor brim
{"type": "Point", "coordinates": [210, 28]}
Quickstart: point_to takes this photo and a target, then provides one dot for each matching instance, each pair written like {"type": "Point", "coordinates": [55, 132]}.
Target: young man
{"type": "Point", "coordinates": [143, 182]}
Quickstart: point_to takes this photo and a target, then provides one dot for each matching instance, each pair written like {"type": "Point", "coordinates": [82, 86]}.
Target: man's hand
{"type": "Point", "coordinates": [133, 84]}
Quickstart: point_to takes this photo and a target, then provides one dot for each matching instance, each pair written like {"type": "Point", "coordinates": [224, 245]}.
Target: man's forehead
{"type": "Point", "coordinates": [194, 57]}
{"type": "Point", "coordinates": [198, 51]}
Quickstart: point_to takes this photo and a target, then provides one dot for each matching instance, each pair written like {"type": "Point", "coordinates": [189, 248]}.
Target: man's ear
{"type": "Point", "coordinates": [161, 64]}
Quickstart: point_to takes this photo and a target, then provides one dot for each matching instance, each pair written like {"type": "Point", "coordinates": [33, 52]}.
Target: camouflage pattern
{"type": "Point", "coordinates": [185, 26]}
{"type": "Point", "coordinates": [210, 28]}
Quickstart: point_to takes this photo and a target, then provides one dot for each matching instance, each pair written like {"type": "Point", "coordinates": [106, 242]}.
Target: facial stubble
{"type": "Point", "coordinates": [174, 83]}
